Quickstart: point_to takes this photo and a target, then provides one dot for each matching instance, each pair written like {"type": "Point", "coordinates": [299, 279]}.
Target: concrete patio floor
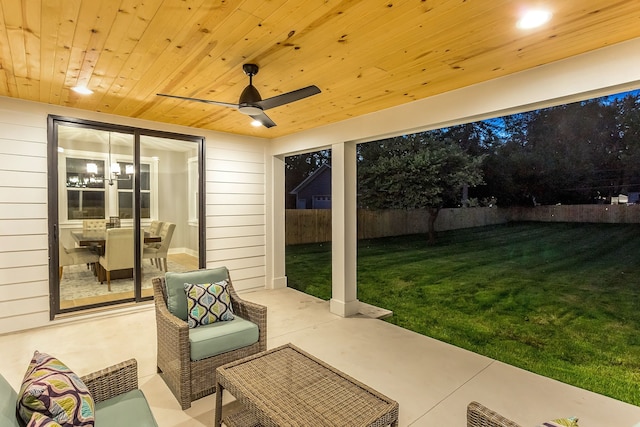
{"type": "Point", "coordinates": [432, 381]}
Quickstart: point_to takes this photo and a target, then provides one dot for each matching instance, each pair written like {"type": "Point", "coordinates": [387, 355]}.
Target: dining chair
{"type": "Point", "coordinates": [118, 251]}
{"type": "Point", "coordinates": [94, 224]}
{"type": "Point", "coordinates": [75, 256]}
{"type": "Point", "coordinates": [158, 254]}
{"type": "Point", "coordinates": [154, 230]}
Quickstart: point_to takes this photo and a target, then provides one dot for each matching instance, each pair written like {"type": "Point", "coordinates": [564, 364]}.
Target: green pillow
{"type": "Point", "coordinates": [176, 297]}
{"type": "Point", "coordinates": [53, 390]}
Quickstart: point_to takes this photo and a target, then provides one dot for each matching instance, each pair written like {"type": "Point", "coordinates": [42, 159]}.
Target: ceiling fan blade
{"type": "Point", "coordinates": [288, 97]}
{"type": "Point", "coordinates": [264, 119]}
{"type": "Point", "coordinates": [184, 98]}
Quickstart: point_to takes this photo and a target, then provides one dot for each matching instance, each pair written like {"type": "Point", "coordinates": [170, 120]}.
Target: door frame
{"type": "Point", "coordinates": [53, 121]}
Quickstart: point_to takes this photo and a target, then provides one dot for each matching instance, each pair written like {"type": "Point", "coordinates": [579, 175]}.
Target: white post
{"type": "Point", "coordinates": [275, 256]}
{"type": "Point", "coordinates": [344, 234]}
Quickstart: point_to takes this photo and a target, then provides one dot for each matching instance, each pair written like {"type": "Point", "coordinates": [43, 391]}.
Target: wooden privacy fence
{"type": "Point", "coordinates": [314, 225]}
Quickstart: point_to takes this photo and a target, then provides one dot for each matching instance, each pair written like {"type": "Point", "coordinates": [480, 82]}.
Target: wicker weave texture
{"type": "Point", "coordinates": [190, 380]}
{"type": "Point", "coordinates": [112, 381]}
{"type": "Point", "coordinates": [481, 416]}
{"type": "Point", "coordinates": [288, 387]}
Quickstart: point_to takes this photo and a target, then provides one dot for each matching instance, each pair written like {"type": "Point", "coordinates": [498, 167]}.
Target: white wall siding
{"type": "Point", "coordinates": [235, 221]}
{"type": "Point", "coordinates": [24, 256]}
{"type": "Point", "coordinates": [236, 231]}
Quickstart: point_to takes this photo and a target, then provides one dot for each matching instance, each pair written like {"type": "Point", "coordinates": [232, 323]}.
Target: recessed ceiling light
{"type": "Point", "coordinates": [83, 90]}
{"type": "Point", "coordinates": [533, 19]}
{"type": "Point", "coordinates": [256, 123]}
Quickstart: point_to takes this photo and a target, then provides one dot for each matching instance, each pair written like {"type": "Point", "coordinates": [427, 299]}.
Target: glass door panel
{"type": "Point", "coordinates": [95, 168]}
{"type": "Point", "coordinates": [168, 195]}
{"type": "Point", "coordinates": [112, 183]}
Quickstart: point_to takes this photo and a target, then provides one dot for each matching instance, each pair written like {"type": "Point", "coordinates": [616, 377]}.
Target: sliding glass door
{"type": "Point", "coordinates": [128, 208]}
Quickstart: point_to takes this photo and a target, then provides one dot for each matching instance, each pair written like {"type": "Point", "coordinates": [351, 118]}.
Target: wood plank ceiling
{"type": "Point", "coordinates": [365, 55]}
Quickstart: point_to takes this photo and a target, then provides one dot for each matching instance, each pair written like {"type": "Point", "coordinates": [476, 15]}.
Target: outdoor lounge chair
{"type": "Point", "coordinates": [191, 377]}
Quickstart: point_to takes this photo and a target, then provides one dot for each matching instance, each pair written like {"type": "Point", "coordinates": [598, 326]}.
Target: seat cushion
{"type": "Point", "coordinates": [176, 297]}
{"type": "Point", "coordinates": [8, 398]}
{"type": "Point", "coordinates": [220, 337]}
{"type": "Point", "coordinates": [127, 409]}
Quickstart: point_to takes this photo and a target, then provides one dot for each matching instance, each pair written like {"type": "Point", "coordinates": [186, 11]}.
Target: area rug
{"type": "Point", "coordinates": [79, 282]}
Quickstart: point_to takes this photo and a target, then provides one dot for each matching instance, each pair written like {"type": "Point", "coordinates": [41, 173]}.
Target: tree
{"type": "Point", "coordinates": [415, 171]}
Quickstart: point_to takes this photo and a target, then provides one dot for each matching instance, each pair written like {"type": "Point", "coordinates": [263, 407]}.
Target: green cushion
{"type": "Point", "coordinates": [176, 297]}
{"type": "Point", "coordinates": [220, 337]}
{"type": "Point", "coordinates": [127, 409]}
{"type": "Point", "coordinates": [8, 398]}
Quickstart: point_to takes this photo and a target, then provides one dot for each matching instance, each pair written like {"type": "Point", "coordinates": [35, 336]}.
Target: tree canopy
{"type": "Point", "coordinates": [415, 171]}
{"type": "Point", "coordinates": [578, 153]}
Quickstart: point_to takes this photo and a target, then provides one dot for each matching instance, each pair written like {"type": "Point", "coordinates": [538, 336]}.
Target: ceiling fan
{"type": "Point", "coordinates": [252, 104]}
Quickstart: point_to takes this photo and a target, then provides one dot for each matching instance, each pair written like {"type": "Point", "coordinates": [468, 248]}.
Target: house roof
{"type": "Point", "coordinates": [314, 175]}
{"type": "Point", "coordinates": [364, 55]}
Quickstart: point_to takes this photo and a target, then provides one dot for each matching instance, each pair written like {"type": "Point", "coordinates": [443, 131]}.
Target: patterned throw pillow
{"type": "Point", "coordinates": [207, 303]}
{"type": "Point", "coordinates": [39, 420]}
{"type": "Point", "coordinates": [51, 389]}
{"type": "Point", "coordinates": [561, 422]}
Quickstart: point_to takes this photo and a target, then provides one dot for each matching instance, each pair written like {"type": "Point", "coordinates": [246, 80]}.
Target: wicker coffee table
{"type": "Point", "coordinates": [286, 386]}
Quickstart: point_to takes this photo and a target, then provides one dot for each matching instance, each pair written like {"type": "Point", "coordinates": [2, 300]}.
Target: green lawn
{"type": "Point", "coordinates": [561, 300]}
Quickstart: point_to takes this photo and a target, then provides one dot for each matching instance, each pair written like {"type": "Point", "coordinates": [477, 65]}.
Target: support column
{"type": "Point", "coordinates": [275, 256]}
{"type": "Point", "coordinates": [344, 234]}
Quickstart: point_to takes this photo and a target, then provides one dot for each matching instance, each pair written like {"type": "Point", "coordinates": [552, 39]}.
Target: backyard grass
{"type": "Point", "coordinates": [561, 300]}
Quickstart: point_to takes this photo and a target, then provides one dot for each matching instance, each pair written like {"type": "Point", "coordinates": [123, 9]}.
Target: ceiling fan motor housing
{"type": "Point", "coordinates": [248, 99]}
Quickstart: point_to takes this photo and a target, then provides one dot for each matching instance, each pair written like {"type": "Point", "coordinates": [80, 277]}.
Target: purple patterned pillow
{"type": "Point", "coordinates": [39, 420]}
{"type": "Point", "coordinates": [51, 389]}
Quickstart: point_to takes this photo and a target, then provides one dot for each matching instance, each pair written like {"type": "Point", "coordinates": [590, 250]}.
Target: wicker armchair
{"type": "Point", "coordinates": [112, 381]}
{"type": "Point", "coordinates": [191, 380]}
{"type": "Point", "coordinates": [481, 416]}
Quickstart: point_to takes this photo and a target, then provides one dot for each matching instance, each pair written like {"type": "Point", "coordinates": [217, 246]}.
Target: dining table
{"type": "Point", "coordinates": [97, 239]}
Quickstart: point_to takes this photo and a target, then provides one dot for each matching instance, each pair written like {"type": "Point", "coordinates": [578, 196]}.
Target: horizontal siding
{"type": "Point", "coordinates": [236, 214]}
{"type": "Point", "coordinates": [235, 155]}
{"type": "Point", "coordinates": [23, 242]}
{"type": "Point", "coordinates": [18, 291]}
{"type": "Point", "coordinates": [27, 274]}
{"type": "Point", "coordinates": [24, 211]}
{"type": "Point", "coordinates": [236, 253]}
{"type": "Point", "coordinates": [236, 177]}
{"type": "Point", "coordinates": [236, 199]}
{"type": "Point", "coordinates": [24, 256]}
{"type": "Point", "coordinates": [30, 179]}
{"type": "Point", "coordinates": [17, 163]}
{"type": "Point", "coordinates": [22, 195]}
{"type": "Point", "coordinates": [234, 188]}
{"type": "Point", "coordinates": [14, 226]}
{"type": "Point", "coordinates": [27, 320]}
{"type": "Point", "coordinates": [37, 304]}
{"type": "Point", "coordinates": [235, 220]}
{"type": "Point", "coordinates": [27, 258]}
{"type": "Point", "coordinates": [235, 242]}
{"type": "Point", "coordinates": [229, 210]}
{"type": "Point", "coordinates": [241, 231]}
